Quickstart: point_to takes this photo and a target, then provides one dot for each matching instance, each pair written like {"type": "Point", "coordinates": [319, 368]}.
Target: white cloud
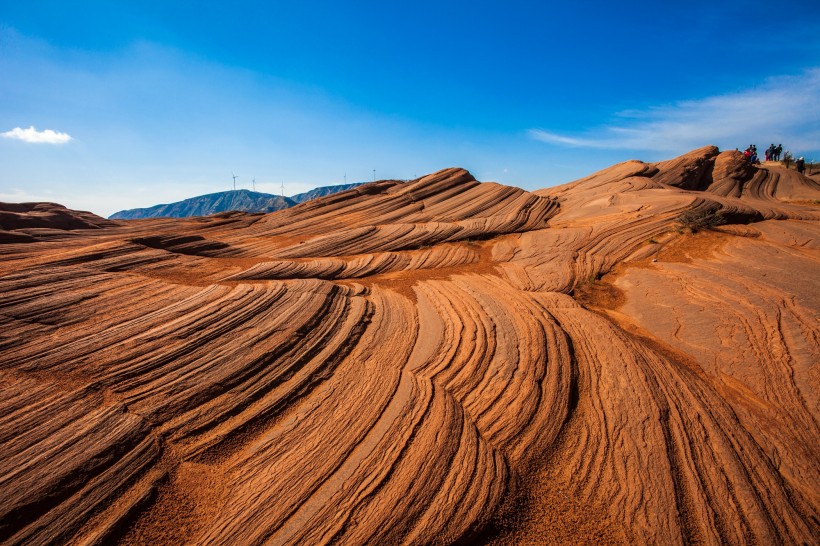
{"type": "Point", "coordinates": [37, 137]}
{"type": "Point", "coordinates": [17, 195]}
{"type": "Point", "coordinates": [783, 109]}
{"type": "Point", "coordinates": [555, 138]}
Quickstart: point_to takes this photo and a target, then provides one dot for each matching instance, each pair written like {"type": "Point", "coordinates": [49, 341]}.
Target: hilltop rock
{"type": "Point", "coordinates": [19, 221]}
{"type": "Point", "coordinates": [47, 215]}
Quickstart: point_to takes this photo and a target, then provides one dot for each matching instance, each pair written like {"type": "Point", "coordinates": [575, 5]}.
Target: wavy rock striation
{"type": "Point", "coordinates": [437, 361]}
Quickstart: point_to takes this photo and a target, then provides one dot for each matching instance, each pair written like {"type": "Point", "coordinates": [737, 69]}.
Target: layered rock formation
{"type": "Point", "coordinates": [28, 222]}
{"type": "Point", "coordinates": [430, 362]}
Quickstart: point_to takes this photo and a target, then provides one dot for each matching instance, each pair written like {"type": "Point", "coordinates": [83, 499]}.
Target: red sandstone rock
{"type": "Point", "coordinates": [425, 362]}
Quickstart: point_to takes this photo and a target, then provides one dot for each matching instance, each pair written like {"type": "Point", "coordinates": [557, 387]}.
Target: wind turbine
{"type": "Point", "coordinates": [254, 185]}
{"type": "Point", "coordinates": [234, 181]}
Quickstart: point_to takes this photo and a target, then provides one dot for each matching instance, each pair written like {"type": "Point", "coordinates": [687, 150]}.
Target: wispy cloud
{"type": "Point", "coordinates": [34, 136]}
{"type": "Point", "coordinates": [783, 108]}
{"type": "Point", "coordinates": [17, 195]}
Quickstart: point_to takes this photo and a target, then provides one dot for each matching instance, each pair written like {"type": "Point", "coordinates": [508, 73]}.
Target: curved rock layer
{"type": "Point", "coordinates": [432, 362]}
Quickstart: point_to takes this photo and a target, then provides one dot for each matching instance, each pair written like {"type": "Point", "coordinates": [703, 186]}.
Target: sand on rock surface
{"type": "Point", "coordinates": [628, 358]}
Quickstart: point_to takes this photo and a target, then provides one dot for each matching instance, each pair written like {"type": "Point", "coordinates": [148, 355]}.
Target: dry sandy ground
{"type": "Point", "coordinates": [439, 361]}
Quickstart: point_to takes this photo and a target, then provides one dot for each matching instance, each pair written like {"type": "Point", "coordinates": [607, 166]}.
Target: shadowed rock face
{"type": "Point", "coordinates": [429, 362]}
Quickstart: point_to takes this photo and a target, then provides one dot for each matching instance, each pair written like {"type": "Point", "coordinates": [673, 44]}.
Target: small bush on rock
{"type": "Point", "coordinates": [697, 220]}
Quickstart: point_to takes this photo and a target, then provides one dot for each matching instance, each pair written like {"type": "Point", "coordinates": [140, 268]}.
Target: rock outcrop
{"type": "Point", "coordinates": [437, 361]}
{"type": "Point", "coordinates": [20, 222]}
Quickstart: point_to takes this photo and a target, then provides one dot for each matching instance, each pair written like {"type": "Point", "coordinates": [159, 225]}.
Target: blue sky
{"type": "Point", "coordinates": [153, 102]}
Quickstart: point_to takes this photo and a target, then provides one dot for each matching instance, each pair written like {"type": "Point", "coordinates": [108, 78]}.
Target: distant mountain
{"type": "Point", "coordinates": [321, 192]}
{"type": "Point", "coordinates": [241, 200]}
{"type": "Point", "coordinates": [205, 205]}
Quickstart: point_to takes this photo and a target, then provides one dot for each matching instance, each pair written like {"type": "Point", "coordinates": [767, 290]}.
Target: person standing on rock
{"type": "Point", "coordinates": [800, 165]}
{"type": "Point", "coordinates": [777, 152]}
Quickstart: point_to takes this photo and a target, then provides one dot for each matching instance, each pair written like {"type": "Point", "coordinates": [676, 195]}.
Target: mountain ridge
{"type": "Point", "coordinates": [242, 200]}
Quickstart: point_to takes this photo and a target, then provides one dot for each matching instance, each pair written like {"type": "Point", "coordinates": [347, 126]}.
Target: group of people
{"type": "Point", "coordinates": [772, 153]}
{"type": "Point", "coordinates": [750, 154]}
